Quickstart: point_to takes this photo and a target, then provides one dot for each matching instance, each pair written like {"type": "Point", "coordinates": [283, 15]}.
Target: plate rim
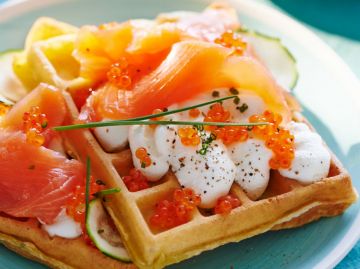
{"type": "Point", "coordinates": [276, 20]}
{"type": "Point", "coordinates": [280, 21]}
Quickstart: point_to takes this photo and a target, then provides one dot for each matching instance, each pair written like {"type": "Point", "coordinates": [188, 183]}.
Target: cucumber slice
{"type": "Point", "coordinates": [11, 89]}
{"type": "Point", "coordinates": [101, 232]}
{"type": "Point", "coordinates": [278, 59]}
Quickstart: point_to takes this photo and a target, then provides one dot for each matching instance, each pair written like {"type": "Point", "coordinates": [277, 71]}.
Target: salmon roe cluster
{"type": "Point", "coordinates": [143, 156]}
{"type": "Point", "coordinates": [228, 134]}
{"type": "Point", "coordinates": [189, 136]}
{"type": "Point", "coordinates": [76, 206]}
{"type": "Point", "coordinates": [119, 74]}
{"type": "Point", "coordinates": [179, 210]}
{"type": "Point", "coordinates": [136, 181]}
{"type": "Point", "coordinates": [276, 138]}
{"type": "Point", "coordinates": [226, 203]}
{"type": "Point", "coordinates": [217, 113]}
{"type": "Point", "coordinates": [230, 39]}
{"type": "Point", "coordinates": [4, 108]}
{"type": "Point", "coordinates": [34, 124]}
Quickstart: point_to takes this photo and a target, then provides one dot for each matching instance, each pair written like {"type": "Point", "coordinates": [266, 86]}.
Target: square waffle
{"type": "Point", "coordinates": [291, 206]}
{"type": "Point", "coordinates": [279, 208]}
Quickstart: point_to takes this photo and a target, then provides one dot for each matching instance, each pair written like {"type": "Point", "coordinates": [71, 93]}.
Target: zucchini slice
{"type": "Point", "coordinates": [103, 234]}
{"type": "Point", "coordinates": [277, 57]}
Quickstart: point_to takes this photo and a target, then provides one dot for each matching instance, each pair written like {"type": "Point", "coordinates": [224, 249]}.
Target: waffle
{"type": "Point", "coordinates": [293, 206]}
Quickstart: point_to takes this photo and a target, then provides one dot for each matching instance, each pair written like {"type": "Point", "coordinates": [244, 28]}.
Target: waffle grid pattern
{"type": "Point", "coordinates": [152, 249]}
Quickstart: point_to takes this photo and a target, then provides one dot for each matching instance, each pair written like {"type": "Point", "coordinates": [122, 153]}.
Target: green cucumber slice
{"type": "Point", "coordinates": [101, 232]}
{"type": "Point", "coordinates": [277, 57]}
{"type": "Point", "coordinates": [11, 89]}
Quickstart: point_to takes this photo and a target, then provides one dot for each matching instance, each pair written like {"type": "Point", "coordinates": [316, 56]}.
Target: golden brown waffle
{"type": "Point", "coordinates": [26, 237]}
{"type": "Point", "coordinates": [290, 206]}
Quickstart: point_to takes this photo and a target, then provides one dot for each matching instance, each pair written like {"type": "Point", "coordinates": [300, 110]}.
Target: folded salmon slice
{"type": "Point", "coordinates": [145, 43]}
{"type": "Point", "coordinates": [207, 25]}
{"type": "Point", "coordinates": [35, 181]}
{"type": "Point", "coordinates": [192, 67]}
{"type": "Point", "coordinates": [50, 101]}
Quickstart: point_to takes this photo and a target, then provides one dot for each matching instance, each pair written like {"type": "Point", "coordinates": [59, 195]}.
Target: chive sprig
{"type": "Point", "coordinates": [144, 119]}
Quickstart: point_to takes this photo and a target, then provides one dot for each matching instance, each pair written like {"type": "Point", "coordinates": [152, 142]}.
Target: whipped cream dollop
{"type": "Point", "coordinates": [252, 165]}
{"type": "Point", "coordinates": [144, 136]}
{"type": "Point", "coordinates": [64, 226]}
{"type": "Point", "coordinates": [212, 175]}
{"type": "Point", "coordinates": [112, 138]}
{"type": "Point", "coordinates": [312, 158]}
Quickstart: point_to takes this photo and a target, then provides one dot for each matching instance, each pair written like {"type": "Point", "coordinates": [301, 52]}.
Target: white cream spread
{"type": "Point", "coordinates": [143, 136]}
{"type": "Point", "coordinates": [211, 175]}
{"type": "Point", "coordinates": [252, 165]}
{"type": "Point", "coordinates": [112, 138]}
{"type": "Point", "coordinates": [64, 226]}
{"type": "Point", "coordinates": [312, 159]}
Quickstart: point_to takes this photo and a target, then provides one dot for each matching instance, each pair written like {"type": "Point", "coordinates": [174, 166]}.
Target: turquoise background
{"type": "Point", "coordinates": [338, 24]}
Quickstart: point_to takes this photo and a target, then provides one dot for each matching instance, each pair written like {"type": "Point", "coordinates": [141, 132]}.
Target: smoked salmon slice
{"type": "Point", "coordinates": [192, 67]}
{"type": "Point", "coordinates": [146, 43]}
{"type": "Point", "coordinates": [35, 181]}
{"type": "Point", "coordinates": [50, 102]}
{"type": "Point", "coordinates": [207, 25]}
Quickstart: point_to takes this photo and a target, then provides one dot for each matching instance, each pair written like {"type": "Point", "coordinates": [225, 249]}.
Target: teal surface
{"type": "Point", "coordinates": [296, 248]}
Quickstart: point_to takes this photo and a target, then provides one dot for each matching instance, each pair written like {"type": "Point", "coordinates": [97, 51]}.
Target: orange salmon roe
{"type": "Point", "coordinates": [230, 134]}
{"type": "Point", "coordinates": [194, 113]}
{"type": "Point", "coordinates": [226, 203]}
{"type": "Point", "coordinates": [217, 113]}
{"type": "Point", "coordinates": [276, 138]}
{"type": "Point", "coordinates": [143, 156]}
{"type": "Point", "coordinates": [34, 124]}
{"type": "Point", "coordinates": [4, 108]}
{"type": "Point", "coordinates": [119, 74]}
{"type": "Point", "coordinates": [179, 210]}
{"type": "Point", "coordinates": [76, 206]}
{"type": "Point", "coordinates": [136, 181]}
{"type": "Point", "coordinates": [189, 136]}
{"type": "Point", "coordinates": [230, 39]}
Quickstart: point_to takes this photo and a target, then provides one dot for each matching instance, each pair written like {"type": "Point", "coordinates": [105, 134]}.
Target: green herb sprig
{"type": "Point", "coordinates": [163, 122]}
{"type": "Point", "coordinates": [142, 120]}
{"type": "Point", "coordinates": [102, 193]}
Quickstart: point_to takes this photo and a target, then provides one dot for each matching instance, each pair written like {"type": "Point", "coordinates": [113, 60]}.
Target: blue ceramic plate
{"type": "Point", "coordinates": [327, 89]}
